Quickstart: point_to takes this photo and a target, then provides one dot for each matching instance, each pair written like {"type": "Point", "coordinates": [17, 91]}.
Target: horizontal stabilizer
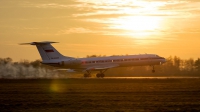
{"type": "Point", "coordinates": [38, 43]}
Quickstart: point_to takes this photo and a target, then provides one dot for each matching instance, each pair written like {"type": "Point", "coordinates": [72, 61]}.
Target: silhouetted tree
{"type": "Point", "coordinates": [168, 67]}
{"type": "Point", "coordinates": [90, 56]}
{"type": "Point", "coordinates": [177, 63]}
{"type": "Point", "coordinates": [6, 60]}
{"type": "Point", "coordinates": [25, 63]}
{"type": "Point", "coordinates": [189, 65]}
{"type": "Point", "coordinates": [197, 64]}
{"type": "Point", "coordinates": [36, 63]}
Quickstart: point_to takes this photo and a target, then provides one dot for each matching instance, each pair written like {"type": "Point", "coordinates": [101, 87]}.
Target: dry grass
{"type": "Point", "coordinates": [100, 95]}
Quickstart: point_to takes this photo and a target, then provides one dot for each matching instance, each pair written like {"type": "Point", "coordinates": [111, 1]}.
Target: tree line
{"type": "Point", "coordinates": [175, 66]}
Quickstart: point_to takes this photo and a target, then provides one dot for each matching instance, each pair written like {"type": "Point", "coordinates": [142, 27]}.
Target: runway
{"type": "Point", "coordinates": [146, 78]}
{"type": "Point", "coordinates": [107, 94]}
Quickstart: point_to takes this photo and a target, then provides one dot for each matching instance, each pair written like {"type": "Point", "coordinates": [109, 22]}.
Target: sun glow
{"type": "Point", "coordinates": [137, 26]}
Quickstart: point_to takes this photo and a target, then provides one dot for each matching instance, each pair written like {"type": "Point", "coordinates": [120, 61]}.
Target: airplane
{"type": "Point", "coordinates": [50, 56]}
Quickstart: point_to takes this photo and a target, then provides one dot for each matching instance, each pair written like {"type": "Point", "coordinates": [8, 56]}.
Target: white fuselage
{"type": "Point", "coordinates": [119, 61]}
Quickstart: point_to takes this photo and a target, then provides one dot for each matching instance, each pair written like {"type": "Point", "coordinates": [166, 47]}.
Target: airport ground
{"type": "Point", "coordinates": [143, 95]}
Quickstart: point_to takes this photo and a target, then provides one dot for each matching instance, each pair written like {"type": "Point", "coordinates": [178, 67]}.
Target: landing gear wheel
{"type": "Point", "coordinates": [102, 75]}
{"type": "Point", "coordinates": [98, 75]}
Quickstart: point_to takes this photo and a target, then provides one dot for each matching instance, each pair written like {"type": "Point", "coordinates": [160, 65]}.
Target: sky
{"type": "Point", "coordinates": [101, 27]}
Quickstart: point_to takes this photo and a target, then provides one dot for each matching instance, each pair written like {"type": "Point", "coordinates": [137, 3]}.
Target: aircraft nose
{"type": "Point", "coordinates": [163, 60]}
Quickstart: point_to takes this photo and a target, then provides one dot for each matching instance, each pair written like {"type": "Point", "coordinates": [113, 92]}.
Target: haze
{"type": "Point", "coordinates": [101, 27]}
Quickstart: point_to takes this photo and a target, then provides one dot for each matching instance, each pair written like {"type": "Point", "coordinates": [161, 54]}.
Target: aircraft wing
{"type": "Point", "coordinates": [102, 67]}
{"type": "Point", "coordinates": [69, 70]}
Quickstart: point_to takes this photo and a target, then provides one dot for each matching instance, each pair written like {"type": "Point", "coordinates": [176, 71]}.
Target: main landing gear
{"type": "Point", "coordinates": [98, 75]}
{"type": "Point", "coordinates": [88, 74]}
{"type": "Point", "coordinates": [153, 71]}
{"type": "Point", "coordinates": [101, 74]}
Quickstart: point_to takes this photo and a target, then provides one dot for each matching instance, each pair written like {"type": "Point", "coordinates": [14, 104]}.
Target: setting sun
{"type": "Point", "coordinates": [138, 26]}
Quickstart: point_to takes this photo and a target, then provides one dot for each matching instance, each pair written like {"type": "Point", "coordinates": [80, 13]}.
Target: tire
{"type": "Point", "coordinates": [102, 75]}
{"type": "Point", "coordinates": [98, 75]}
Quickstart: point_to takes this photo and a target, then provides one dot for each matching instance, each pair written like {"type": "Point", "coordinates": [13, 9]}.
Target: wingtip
{"type": "Point", "coordinates": [24, 43]}
{"type": "Point", "coordinates": [34, 43]}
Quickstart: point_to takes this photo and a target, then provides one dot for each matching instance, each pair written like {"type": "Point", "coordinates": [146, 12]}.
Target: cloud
{"type": "Point", "coordinates": [75, 30]}
{"type": "Point", "coordinates": [47, 4]}
{"type": "Point", "coordinates": [99, 17]}
{"type": "Point", "coordinates": [182, 8]}
{"type": "Point", "coordinates": [50, 5]}
{"type": "Point", "coordinates": [148, 7]}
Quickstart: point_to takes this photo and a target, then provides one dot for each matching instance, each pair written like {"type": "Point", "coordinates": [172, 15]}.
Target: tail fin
{"type": "Point", "coordinates": [47, 51]}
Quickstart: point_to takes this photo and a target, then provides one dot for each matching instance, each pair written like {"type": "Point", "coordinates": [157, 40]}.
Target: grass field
{"type": "Point", "coordinates": [52, 95]}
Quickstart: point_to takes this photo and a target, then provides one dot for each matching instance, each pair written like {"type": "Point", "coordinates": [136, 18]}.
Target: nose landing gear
{"type": "Point", "coordinates": [153, 71]}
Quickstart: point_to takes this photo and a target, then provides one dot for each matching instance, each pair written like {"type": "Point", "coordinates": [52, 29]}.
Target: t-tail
{"type": "Point", "coordinates": [47, 51]}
